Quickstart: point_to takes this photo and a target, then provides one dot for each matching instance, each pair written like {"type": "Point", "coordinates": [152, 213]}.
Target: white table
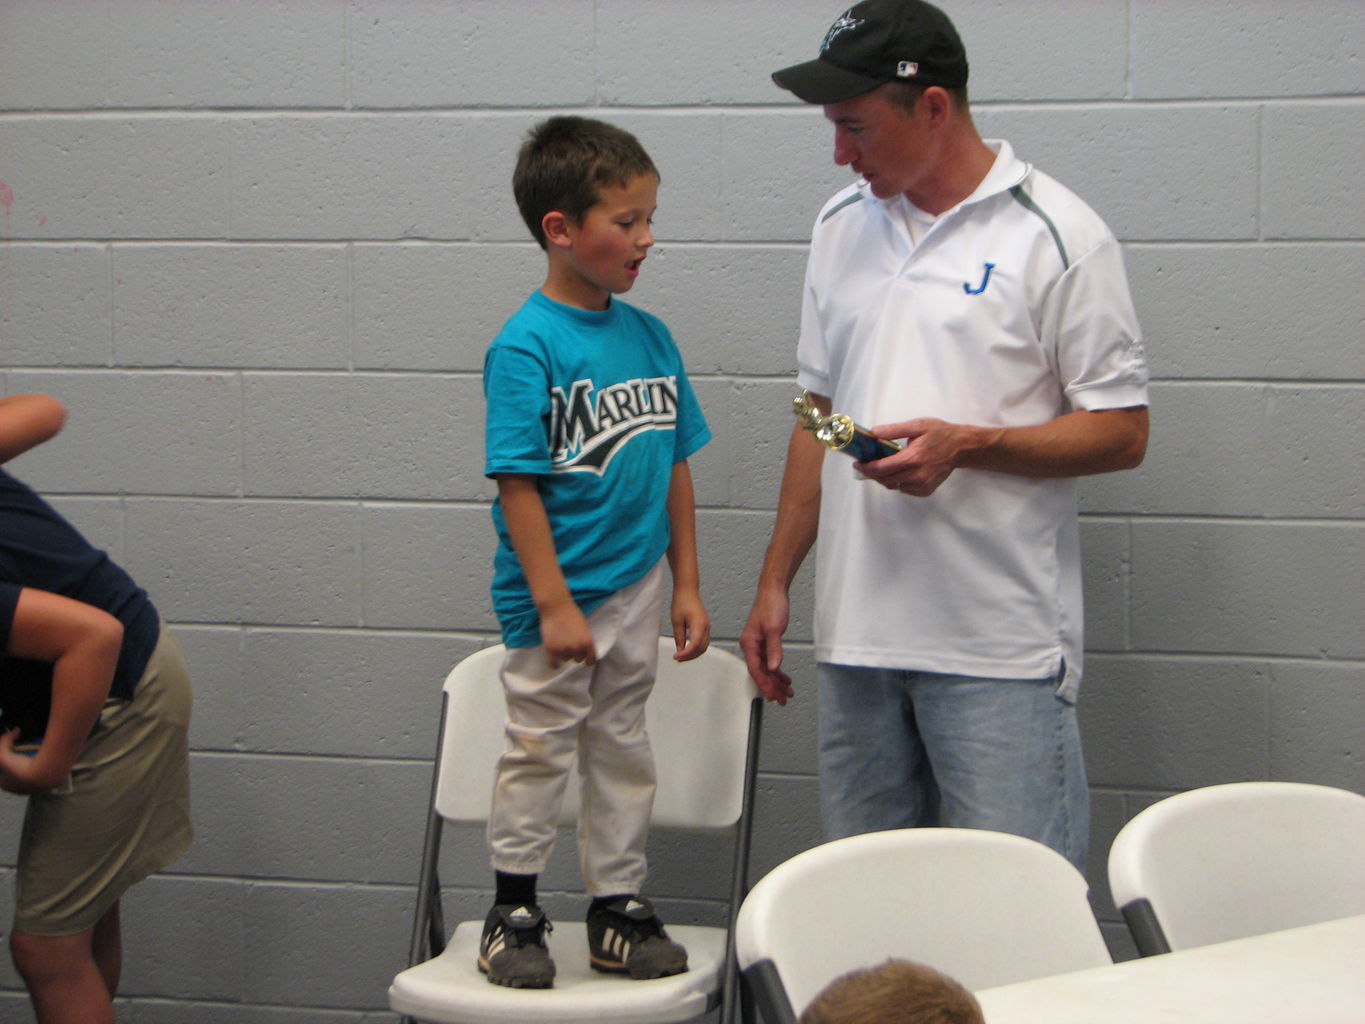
{"type": "Point", "coordinates": [1309, 975]}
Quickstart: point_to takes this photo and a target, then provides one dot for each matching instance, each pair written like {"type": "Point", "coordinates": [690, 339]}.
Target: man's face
{"type": "Point", "coordinates": [882, 141]}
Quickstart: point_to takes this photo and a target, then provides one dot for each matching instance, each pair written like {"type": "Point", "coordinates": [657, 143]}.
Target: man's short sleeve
{"type": "Point", "coordinates": [1098, 343]}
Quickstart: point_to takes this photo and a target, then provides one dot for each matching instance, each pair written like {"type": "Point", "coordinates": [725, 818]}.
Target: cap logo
{"type": "Point", "coordinates": [907, 69]}
{"type": "Point", "coordinates": [843, 24]}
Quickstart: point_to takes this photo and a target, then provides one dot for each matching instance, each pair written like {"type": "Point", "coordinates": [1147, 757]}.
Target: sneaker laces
{"type": "Point", "coordinates": [635, 919]}
{"type": "Point", "coordinates": [523, 934]}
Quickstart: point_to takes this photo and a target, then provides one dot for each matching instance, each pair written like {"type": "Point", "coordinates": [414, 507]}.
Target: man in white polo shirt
{"type": "Point", "coordinates": [976, 310]}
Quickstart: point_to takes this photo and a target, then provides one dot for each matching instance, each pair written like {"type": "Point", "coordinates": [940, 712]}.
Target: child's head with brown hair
{"type": "Point", "coordinates": [566, 161]}
{"type": "Point", "coordinates": [896, 992]}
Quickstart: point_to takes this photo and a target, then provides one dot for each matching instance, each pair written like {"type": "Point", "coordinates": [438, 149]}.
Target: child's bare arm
{"type": "Point", "coordinates": [691, 623]}
{"type": "Point", "coordinates": [26, 421]}
{"type": "Point", "coordinates": [83, 644]}
{"type": "Point", "coordinates": [563, 627]}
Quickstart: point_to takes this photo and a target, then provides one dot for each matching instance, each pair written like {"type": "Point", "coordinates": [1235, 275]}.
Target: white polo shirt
{"type": "Point", "coordinates": [1013, 309]}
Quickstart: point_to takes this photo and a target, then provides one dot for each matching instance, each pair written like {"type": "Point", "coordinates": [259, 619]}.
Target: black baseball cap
{"type": "Point", "coordinates": [880, 41]}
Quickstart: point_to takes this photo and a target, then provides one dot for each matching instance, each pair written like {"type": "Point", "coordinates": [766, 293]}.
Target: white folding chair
{"type": "Point", "coordinates": [1225, 862]}
{"type": "Point", "coordinates": [982, 907]}
{"type": "Point", "coordinates": [704, 718]}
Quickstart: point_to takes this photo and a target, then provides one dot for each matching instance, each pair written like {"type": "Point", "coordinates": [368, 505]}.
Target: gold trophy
{"type": "Point", "coordinates": [840, 433]}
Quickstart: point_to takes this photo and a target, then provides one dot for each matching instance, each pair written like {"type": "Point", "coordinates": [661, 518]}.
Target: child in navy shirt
{"type": "Point", "coordinates": [96, 706]}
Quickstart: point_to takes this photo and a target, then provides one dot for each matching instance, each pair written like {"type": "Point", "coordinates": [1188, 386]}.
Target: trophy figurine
{"type": "Point", "coordinates": [840, 433]}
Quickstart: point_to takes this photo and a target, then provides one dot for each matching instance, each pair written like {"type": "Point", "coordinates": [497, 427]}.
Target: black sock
{"type": "Point", "coordinates": [515, 889]}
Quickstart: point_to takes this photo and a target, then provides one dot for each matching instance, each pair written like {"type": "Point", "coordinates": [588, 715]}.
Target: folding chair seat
{"type": "Point", "coordinates": [704, 718]}
{"type": "Point", "coordinates": [1225, 862]}
{"type": "Point", "coordinates": [983, 907]}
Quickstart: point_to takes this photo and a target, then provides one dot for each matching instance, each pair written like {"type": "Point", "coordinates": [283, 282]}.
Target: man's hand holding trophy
{"type": "Point", "coordinates": [839, 433]}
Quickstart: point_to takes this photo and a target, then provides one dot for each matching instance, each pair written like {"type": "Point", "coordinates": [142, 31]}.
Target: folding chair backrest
{"type": "Point", "coordinates": [983, 907]}
{"type": "Point", "coordinates": [698, 715]}
{"type": "Point", "coordinates": [704, 718]}
{"type": "Point", "coordinates": [1225, 862]}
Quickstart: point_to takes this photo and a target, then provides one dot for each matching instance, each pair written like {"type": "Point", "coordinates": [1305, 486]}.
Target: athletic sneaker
{"type": "Point", "coordinates": [625, 937]}
{"type": "Point", "coordinates": [512, 951]}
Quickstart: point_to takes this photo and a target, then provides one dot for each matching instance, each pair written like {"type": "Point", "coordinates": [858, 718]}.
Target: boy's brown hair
{"type": "Point", "coordinates": [896, 992]}
{"type": "Point", "coordinates": [566, 161]}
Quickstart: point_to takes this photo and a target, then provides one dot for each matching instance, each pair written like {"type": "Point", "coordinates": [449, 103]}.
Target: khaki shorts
{"type": "Point", "coordinates": [125, 814]}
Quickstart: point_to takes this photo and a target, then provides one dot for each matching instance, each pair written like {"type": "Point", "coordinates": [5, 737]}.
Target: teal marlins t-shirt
{"type": "Point", "coordinates": [597, 405]}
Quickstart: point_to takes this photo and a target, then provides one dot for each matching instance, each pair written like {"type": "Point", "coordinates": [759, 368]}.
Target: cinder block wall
{"type": "Point", "coordinates": [259, 248]}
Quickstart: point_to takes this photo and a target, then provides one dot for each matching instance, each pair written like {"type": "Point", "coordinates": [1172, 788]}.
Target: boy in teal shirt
{"type": "Point", "coordinates": [590, 423]}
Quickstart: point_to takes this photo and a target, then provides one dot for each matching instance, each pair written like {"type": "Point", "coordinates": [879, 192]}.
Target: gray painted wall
{"type": "Point", "coordinates": [259, 248]}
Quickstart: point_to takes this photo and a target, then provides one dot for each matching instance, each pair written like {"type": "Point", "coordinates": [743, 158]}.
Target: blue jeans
{"type": "Point", "coordinates": [902, 749]}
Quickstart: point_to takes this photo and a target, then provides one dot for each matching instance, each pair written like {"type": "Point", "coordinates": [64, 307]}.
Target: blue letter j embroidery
{"type": "Point", "coordinates": [984, 281]}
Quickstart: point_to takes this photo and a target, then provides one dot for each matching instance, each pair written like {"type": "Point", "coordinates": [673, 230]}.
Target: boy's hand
{"type": "Point", "coordinates": [20, 773]}
{"type": "Point", "coordinates": [691, 625]}
{"type": "Point", "coordinates": [565, 633]}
